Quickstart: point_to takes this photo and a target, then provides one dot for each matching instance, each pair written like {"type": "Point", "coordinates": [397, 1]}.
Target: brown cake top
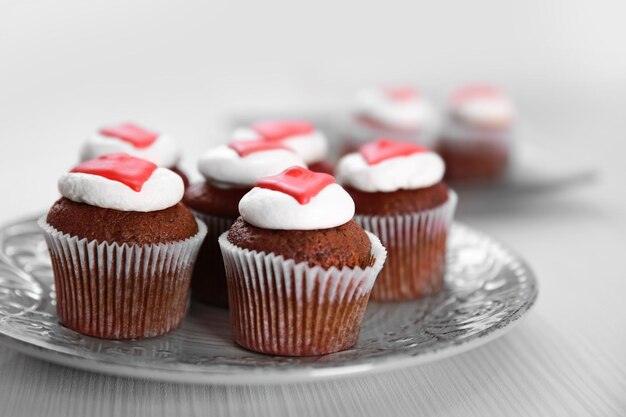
{"type": "Point", "coordinates": [400, 201]}
{"type": "Point", "coordinates": [107, 225]}
{"type": "Point", "coordinates": [305, 216]}
{"type": "Point", "coordinates": [345, 245]}
{"type": "Point", "coordinates": [207, 198]}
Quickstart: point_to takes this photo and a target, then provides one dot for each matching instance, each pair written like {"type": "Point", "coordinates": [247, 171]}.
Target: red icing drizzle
{"type": "Point", "coordinates": [129, 170]}
{"type": "Point", "coordinates": [277, 130]}
{"type": "Point", "coordinates": [474, 91]}
{"type": "Point", "coordinates": [131, 133]}
{"type": "Point", "coordinates": [298, 182]}
{"type": "Point", "coordinates": [246, 147]}
{"type": "Point", "coordinates": [401, 93]}
{"type": "Point", "coordinates": [383, 149]}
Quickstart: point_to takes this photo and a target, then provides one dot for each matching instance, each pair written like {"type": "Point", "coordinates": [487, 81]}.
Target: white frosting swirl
{"type": "Point", "coordinates": [311, 147]}
{"type": "Point", "coordinates": [409, 114]}
{"type": "Point", "coordinates": [163, 189]}
{"type": "Point", "coordinates": [164, 151]}
{"type": "Point", "coordinates": [418, 170]}
{"type": "Point", "coordinates": [269, 209]}
{"type": "Point", "coordinates": [224, 167]}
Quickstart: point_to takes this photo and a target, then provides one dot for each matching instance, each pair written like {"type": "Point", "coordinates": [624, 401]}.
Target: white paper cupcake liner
{"type": "Point", "coordinates": [281, 307]}
{"type": "Point", "coordinates": [416, 247]}
{"type": "Point", "coordinates": [114, 291]}
{"type": "Point", "coordinates": [208, 282]}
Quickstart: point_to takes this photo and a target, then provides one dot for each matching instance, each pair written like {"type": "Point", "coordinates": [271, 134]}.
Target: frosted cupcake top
{"type": "Point", "coordinates": [134, 140]}
{"type": "Point", "coordinates": [297, 199]}
{"type": "Point", "coordinates": [243, 163]}
{"type": "Point", "coordinates": [299, 136]}
{"type": "Point", "coordinates": [481, 107]}
{"type": "Point", "coordinates": [386, 166]}
{"type": "Point", "coordinates": [398, 108]}
{"type": "Point", "coordinates": [122, 182]}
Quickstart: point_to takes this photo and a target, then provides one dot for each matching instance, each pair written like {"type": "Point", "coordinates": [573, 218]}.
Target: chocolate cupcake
{"type": "Point", "coordinates": [300, 136]}
{"type": "Point", "coordinates": [399, 196]}
{"type": "Point", "coordinates": [299, 270]}
{"type": "Point", "coordinates": [230, 172]}
{"type": "Point", "coordinates": [136, 141]}
{"type": "Point", "coordinates": [476, 139]}
{"type": "Point", "coordinates": [122, 248]}
{"type": "Point", "coordinates": [400, 112]}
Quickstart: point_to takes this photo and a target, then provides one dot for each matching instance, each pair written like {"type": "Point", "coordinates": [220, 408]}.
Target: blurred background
{"type": "Point", "coordinates": [187, 68]}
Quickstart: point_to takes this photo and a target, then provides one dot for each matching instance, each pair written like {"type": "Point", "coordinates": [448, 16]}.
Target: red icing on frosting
{"type": "Point", "coordinates": [383, 149]}
{"type": "Point", "coordinates": [277, 130]}
{"type": "Point", "coordinates": [474, 91]}
{"type": "Point", "coordinates": [131, 133]}
{"type": "Point", "coordinates": [129, 170]}
{"type": "Point", "coordinates": [401, 93]}
{"type": "Point", "coordinates": [246, 147]}
{"type": "Point", "coordinates": [298, 182]}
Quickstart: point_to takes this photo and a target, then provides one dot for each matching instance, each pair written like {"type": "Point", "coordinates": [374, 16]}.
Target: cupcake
{"type": "Point", "coordinates": [122, 248]}
{"type": "Point", "coordinates": [300, 136]}
{"type": "Point", "coordinates": [399, 196]}
{"type": "Point", "coordinates": [299, 269]}
{"type": "Point", "coordinates": [137, 141]}
{"type": "Point", "coordinates": [476, 139]}
{"type": "Point", "coordinates": [230, 171]}
{"type": "Point", "coordinates": [395, 111]}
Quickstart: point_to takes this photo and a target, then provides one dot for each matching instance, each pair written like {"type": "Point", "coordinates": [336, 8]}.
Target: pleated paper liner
{"type": "Point", "coordinates": [208, 282]}
{"type": "Point", "coordinates": [281, 307]}
{"type": "Point", "coordinates": [114, 291]}
{"type": "Point", "coordinates": [416, 248]}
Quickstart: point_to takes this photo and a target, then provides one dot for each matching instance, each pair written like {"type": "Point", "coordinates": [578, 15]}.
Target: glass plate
{"type": "Point", "coordinates": [488, 289]}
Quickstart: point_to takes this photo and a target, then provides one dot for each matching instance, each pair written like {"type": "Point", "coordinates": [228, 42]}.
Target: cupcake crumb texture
{"type": "Point", "coordinates": [345, 245]}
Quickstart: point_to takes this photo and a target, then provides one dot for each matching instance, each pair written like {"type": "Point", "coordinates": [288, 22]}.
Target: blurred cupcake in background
{"type": "Point", "coordinates": [400, 112]}
{"type": "Point", "coordinates": [137, 141]}
{"type": "Point", "coordinates": [476, 138]}
{"type": "Point", "coordinates": [400, 197]}
{"type": "Point", "coordinates": [230, 171]}
{"type": "Point", "coordinates": [299, 269]}
{"type": "Point", "coordinates": [122, 247]}
{"type": "Point", "coordinates": [302, 137]}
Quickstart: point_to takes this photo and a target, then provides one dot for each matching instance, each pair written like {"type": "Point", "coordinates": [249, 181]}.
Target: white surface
{"type": "Point", "coordinates": [223, 165]}
{"type": "Point", "coordinates": [481, 109]}
{"type": "Point", "coordinates": [270, 209]}
{"type": "Point", "coordinates": [402, 114]}
{"type": "Point", "coordinates": [410, 172]}
{"type": "Point", "coordinates": [164, 152]}
{"type": "Point", "coordinates": [69, 65]}
{"type": "Point", "coordinates": [311, 147]}
{"type": "Point", "coordinates": [163, 189]}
